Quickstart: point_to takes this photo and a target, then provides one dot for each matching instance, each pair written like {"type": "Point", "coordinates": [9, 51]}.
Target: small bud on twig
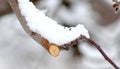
{"type": "Point", "coordinates": [116, 6]}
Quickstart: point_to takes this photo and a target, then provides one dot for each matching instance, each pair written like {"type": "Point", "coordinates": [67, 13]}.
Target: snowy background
{"type": "Point", "coordinates": [20, 51]}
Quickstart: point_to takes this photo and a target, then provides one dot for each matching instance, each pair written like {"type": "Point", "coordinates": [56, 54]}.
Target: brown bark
{"type": "Point", "coordinates": [4, 7]}
{"type": "Point", "coordinates": [51, 48]}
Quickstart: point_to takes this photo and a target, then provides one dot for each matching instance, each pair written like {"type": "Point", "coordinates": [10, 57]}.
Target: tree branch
{"type": "Point", "coordinates": [51, 48]}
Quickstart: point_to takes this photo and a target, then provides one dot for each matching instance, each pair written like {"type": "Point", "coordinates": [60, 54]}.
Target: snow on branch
{"type": "Point", "coordinates": [47, 32]}
{"type": "Point", "coordinates": [43, 29]}
{"type": "Point", "coordinates": [48, 28]}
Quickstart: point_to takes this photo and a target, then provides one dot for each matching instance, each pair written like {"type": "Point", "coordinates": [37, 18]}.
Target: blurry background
{"type": "Point", "coordinates": [20, 51]}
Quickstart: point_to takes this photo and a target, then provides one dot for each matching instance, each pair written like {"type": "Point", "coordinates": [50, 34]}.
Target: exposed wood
{"type": "Point", "coordinates": [52, 49]}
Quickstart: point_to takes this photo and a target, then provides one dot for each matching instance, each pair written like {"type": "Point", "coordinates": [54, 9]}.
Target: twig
{"type": "Point", "coordinates": [101, 51]}
{"type": "Point", "coordinates": [95, 45]}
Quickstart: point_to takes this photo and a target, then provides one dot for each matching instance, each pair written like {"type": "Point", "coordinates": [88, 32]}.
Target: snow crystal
{"type": "Point", "coordinates": [47, 27]}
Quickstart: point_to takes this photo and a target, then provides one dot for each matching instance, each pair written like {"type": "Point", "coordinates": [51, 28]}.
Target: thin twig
{"type": "Point", "coordinates": [101, 51]}
{"type": "Point", "coordinates": [67, 45]}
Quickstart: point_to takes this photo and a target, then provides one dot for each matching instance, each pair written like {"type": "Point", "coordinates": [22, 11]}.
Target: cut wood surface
{"type": "Point", "coordinates": [54, 50]}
